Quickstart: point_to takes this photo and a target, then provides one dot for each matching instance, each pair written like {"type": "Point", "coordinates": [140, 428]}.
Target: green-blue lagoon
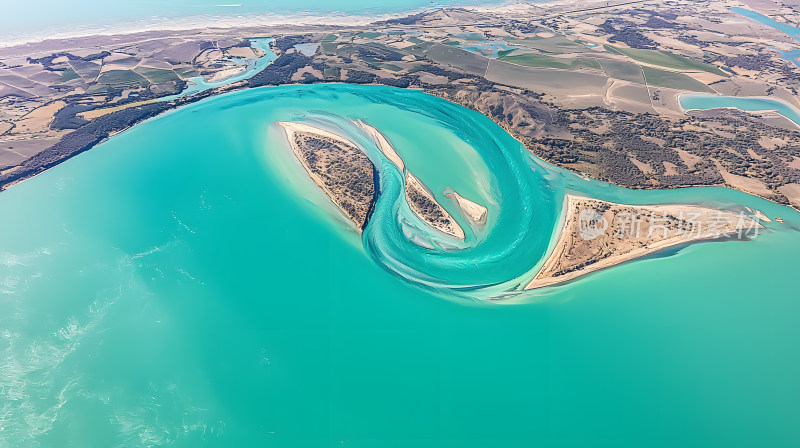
{"type": "Point", "coordinates": [186, 284]}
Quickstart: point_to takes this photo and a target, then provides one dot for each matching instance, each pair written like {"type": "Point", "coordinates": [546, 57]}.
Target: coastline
{"type": "Point", "coordinates": [199, 23]}
{"type": "Point", "coordinates": [225, 22]}
{"type": "Point", "coordinates": [230, 22]}
{"type": "Point", "coordinates": [519, 139]}
{"type": "Point", "coordinates": [240, 86]}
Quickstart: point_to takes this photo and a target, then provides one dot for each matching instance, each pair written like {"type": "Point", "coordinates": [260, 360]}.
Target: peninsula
{"type": "Point", "coordinates": [597, 234]}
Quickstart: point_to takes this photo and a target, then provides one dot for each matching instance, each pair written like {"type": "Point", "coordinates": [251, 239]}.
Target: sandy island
{"type": "Point", "coordinates": [598, 234]}
{"type": "Point", "coordinates": [472, 210]}
{"type": "Point", "coordinates": [420, 199]}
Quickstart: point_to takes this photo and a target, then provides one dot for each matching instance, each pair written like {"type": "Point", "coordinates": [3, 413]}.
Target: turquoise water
{"type": "Point", "coordinates": [254, 65]}
{"type": "Point", "coordinates": [769, 21]}
{"type": "Point", "coordinates": [751, 104]}
{"type": "Point", "coordinates": [184, 284]}
{"type": "Point", "coordinates": [790, 30]}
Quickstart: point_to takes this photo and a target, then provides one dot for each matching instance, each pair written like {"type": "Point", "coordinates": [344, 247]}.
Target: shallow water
{"type": "Point", "coordinates": [185, 284]}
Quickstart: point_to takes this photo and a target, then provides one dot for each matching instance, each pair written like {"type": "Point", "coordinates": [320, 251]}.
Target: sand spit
{"type": "Point", "coordinates": [338, 166]}
{"type": "Point", "coordinates": [382, 142]}
{"type": "Point", "coordinates": [598, 234]}
{"type": "Point", "coordinates": [425, 206]}
{"type": "Point", "coordinates": [759, 214]}
{"type": "Point", "coordinates": [472, 210]}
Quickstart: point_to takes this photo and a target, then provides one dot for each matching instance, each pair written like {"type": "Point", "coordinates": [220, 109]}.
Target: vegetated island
{"type": "Point", "coordinates": [597, 234]}
{"type": "Point", "coordinates": [339, 167]}
{"type": "Point", "coordinates": [424, 205]}
{"type": "Point", "coordinates": [472, 210]}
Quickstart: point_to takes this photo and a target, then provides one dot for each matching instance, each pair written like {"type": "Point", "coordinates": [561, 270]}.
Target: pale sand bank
{"type": "Point", "coordinates": [474, 211]}
{"type": "Point", "coordinates": [292, 127]}
{"type": "Point", "coordinates": [759, 214]}
{"type": "Point", "coordinates": [420, 200]}
{"type": "Point", "coordinates": [382, 142]}
{"type": "Point", "coordinates": [95, 113]}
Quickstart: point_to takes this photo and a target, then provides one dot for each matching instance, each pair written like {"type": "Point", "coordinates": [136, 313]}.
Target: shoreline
{"type": "Point", "coordinates": [230, 22]}
{"type": "Point", "coordinates": [199, 23]}
{"type": "Point", "coordinates": [234, 88]}
{"type": "Point", "coordinates": [295, 61]}
{"type": "Point", "coordinates": [588, 177]}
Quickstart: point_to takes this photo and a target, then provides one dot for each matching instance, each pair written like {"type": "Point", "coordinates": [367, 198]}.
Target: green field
{"type": "Point", "coordinates": [557, 44]}
{"type": "Point", "coordinates": [122, 79]}
{"type": "Point", "coordinates": [419, 49]}
{"type": "Point", "coordinates": [539, 79]}
{"type": "Point", "coordinates": [627, 71]}
{"type": "Point", "coordinates": [463, 59]}
{"type": "Point", "coordinates": [330, 38]}
{"type": "Point", "coordinates": [415, 40]}
{"type": "Point", "coordinates": [329, 47]}
{"type": "Point", "coordinates": [331, 72]}
{"type": "Point", "coordinates": [501, 53]}
{"type": "Point", "coordinates": [665, 59]}
{"type": "Point", "coordinates": [69, 74]}
{"type": "Point", "coordinates": [672, 80]}
{"type": "Point", "coordinates": [369, 35]}
{"type": "Point", "coordinates": [186, 72]}
{"type": "Point", "coordinates": [156, 75]}
{"type": "Point", "coordinates": [470, 36]}
{"type": "Point", "coordinates": [541, 60]}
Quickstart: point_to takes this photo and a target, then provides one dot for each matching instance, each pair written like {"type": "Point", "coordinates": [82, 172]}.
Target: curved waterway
{"type": "Point", "coordinates": [186, 284]}
{"type": "Point", "coordinates": [694, 101]}
{"type": "Point", "coordinates": [792, 31]}
{"type": "Point", "coordinates": [253, 65]}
